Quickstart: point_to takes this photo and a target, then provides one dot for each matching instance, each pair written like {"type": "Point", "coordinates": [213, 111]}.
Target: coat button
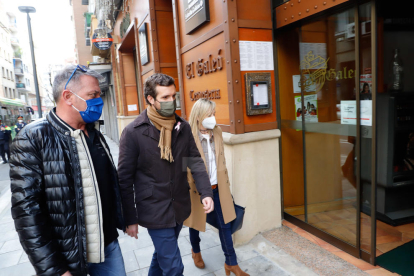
{"type": "Point", "coordinates": [195, 192]}
{"type": "Point", "coordinates": [173, 199]}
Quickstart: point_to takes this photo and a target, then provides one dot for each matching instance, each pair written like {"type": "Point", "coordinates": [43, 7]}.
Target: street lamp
{"type": "Point", "coordinates": [27, 9]}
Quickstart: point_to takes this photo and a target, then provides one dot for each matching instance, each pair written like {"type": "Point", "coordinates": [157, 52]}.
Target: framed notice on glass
{"type": "Point", "coordinates": [143, 44]}
{"type": "Point", "coordinates": [196, 13]}
{"type": "Point", "coordinates": [258, 93]}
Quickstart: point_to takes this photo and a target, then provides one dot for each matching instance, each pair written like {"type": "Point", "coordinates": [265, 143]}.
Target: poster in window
{"type": "Point", "coordinates": [309, 108]}
{"type": "Point", "coordinates": [143, 44]}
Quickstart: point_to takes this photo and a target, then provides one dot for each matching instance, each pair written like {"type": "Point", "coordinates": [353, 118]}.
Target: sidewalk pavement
{"type": "Point", "coordinates": [258, 258]}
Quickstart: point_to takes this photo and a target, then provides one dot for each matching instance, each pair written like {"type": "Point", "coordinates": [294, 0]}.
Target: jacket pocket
{"type": "Point", "coordinates": [141, 195]}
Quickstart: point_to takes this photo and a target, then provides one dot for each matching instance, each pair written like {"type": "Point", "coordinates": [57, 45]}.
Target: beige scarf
{"type": "Point", "coordinates": [165, 125]}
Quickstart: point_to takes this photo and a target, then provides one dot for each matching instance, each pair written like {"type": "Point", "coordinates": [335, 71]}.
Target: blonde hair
{"type": "Point", "coordinates": [201, 110]}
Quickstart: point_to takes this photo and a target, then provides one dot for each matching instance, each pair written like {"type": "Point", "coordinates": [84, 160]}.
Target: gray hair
{"type": "Point", "coordinates": [62, 77]}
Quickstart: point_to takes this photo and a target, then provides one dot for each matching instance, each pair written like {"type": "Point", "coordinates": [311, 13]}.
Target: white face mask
{"type": "Point", "coordinates": [20, 121]}
{"type": "Point", "coordinates": [209, 122]}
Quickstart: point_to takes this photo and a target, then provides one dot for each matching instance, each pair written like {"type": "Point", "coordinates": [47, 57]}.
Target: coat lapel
{"type": "Point", "coordinates": [152, 132]}
{"type": "Point", "coordinates": [217, 143]}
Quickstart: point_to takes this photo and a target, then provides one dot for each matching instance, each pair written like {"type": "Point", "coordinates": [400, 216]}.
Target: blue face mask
{"type": "Point", "coordinates": [93, 110]}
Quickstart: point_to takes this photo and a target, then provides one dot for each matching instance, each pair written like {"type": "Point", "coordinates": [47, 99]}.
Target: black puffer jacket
{"type": "Point", "coordinates": [47, 197]}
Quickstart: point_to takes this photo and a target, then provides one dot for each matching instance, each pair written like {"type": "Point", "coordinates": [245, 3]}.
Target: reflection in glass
{"type": "Point", "coordinates": [327, 53]}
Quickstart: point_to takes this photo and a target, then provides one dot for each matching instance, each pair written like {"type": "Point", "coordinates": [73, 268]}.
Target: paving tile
{"type": "Point", "coordinates": [144, 256]}
{"type": "Point", "coordinates": [129, 244]}
{"type": "Point", "coordinates": [10, 259]}
{"type": "Point", "coordinates": [258, 266]}
{"type": "Point", "coordinates": [184, 232]}
{"type": "Point", "coordinates": [141, 272]}
{"type": "Point", "coordinates": [380, 272]}
{"type": "Point", "coordinates": [24, 258]}
{"type": "Point", "coordinates": [210, 274]}
{"type": "Point", "coordinates": [9, 235]}
{"type": "Point", "coordinates": [245, 252]}
{"type": "Point", "coordinates": [289, 224]}
{"type": "Point", "coordinates": [130, 261]}
{"type": "Point", "coordinates": [184, 245]}
{"type": "Point", "coordinates": [208, 239]}
{"type": "Point", "coordinates": [24, 269]}
{"type": "Point", "coordinates": [6, 227]}
{"type": "Point", "coordinates": [9, 246]}
{"type": "Point", "coordinates": [352, 260]}
{"type": "Point", "coordinates": [213, 259]}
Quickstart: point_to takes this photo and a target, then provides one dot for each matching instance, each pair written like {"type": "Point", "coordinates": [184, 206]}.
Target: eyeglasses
{"type": "Point", "coordinates": [80, 67]}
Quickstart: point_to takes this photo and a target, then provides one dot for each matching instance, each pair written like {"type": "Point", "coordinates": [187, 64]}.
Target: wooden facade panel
{"type": "Point", "coordinates": [258, 35]}
{"type": "Point", "coordinates": [216, 18]}
{"type": "Point", "coordinates": [132, 99]}
{"type": "Point", "coordinates": [163, 5]}
{"type": "Point", "coordinates": [129, 69]}
{"type": "Point", "coordinates": [209, 82]}
{"type": "Point", "coordinates": [254, 10]}
{"type": "Point", "coordinates": [292, 143]}
{"type": "Point", "coordinates": [166, 36]}
{"type": "Point", "coordinates": [293, 11]}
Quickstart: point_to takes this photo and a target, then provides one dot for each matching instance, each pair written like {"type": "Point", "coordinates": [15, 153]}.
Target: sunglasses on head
{"type": "Point", "coordinates": [80, 67]}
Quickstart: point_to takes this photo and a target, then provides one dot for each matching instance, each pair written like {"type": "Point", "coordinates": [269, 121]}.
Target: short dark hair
{"type": "Point", "coordinates": [153, 81]}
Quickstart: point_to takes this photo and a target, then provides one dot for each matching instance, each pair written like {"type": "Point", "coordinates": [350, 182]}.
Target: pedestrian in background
{"type": "Point", "coordinates": [66, 201]}
{"type": "Point", "coordinates": [19, 125]}
{"type": "Point", "coordinates": [5, 136]}
{"type": "Point", "coordinates": [209, 141]}
{"type": "Point", "coordinates": [154, 153]}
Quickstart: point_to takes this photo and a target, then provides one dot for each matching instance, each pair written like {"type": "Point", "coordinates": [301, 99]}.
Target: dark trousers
{"type": "Point", "coordinates": [224, 233]}
{"type": "Point", "coordinates": [166, 260]}
{"type": "Point", "coordinates": [4, 150]}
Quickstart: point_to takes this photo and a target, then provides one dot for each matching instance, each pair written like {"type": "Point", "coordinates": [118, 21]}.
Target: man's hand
{"type": "Point", "coordinates": [208, 205]}
{"type": "Point", "coordinates": [132, 231]}
{"type": "Point", "coordinates": [67, 273]}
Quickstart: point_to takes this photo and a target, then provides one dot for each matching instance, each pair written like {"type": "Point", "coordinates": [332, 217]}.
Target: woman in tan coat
{"type": "Point", "coordinates": [209, 140]}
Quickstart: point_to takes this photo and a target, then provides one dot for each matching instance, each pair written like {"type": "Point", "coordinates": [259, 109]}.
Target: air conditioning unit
{"type": "Point", "coordinates": [88, 41]}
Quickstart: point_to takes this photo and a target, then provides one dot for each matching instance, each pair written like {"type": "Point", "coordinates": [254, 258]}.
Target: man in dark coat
{"type": "Point", "coordinates": [5, 135]}
{"type": "Point", "coordinates": [66, 201]}
{"type": "Point", "coordinates": [155, 151]}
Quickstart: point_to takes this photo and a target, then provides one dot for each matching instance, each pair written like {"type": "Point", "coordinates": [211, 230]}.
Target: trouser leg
{"type": "Point", "coordinates": [224, 232]}
{"type": "Point", "coordinates": [113, 264]}
{"type": "Point", "coordinates": [195, 240]}
{"type": "Point", "coordinates": [166, 260]}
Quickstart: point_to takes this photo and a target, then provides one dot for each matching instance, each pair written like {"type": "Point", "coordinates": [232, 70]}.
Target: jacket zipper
{"type": "Point", "coordinates": [96, 194]}
{"type": "Point", "coordinates": [83, 267]}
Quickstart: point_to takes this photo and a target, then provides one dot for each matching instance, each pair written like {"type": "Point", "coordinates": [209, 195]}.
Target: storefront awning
{"type": "Point", "coordinates": [35, 108]}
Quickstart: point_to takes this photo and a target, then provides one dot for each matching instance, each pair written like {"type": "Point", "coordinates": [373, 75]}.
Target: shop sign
{"type": "Point", "coordinates": [213, 94]}
{"type": "Point", "coordinates": [196, 12]}
{"type": "Point", "coordinates": [143, 44]}
{"type": "Point", "coordinates": [315, 72]}
{"type": "Point", "coordinates": [207, 66]}
{"type": "Point", "coordinates": [102, 42]}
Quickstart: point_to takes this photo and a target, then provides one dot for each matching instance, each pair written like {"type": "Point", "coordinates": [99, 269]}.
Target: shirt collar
{"type": "Point", "coordinates": [201, 137]}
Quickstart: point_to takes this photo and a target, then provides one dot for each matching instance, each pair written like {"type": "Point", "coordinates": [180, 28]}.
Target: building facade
{"type": "Point", "coordinates": [315, 108]}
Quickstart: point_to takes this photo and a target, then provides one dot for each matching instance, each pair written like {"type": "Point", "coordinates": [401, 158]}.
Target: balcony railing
{"type": "Point", "coordinates": [20, 85]}
{"type": "Point", "coordinates": [18, 71]}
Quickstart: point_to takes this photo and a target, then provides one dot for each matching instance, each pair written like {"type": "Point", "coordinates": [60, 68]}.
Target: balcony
{"type": "Point", "coordinates": [18, 71]}
{"type": "Point", "coordinates": [21, 86]}
{"type": "Point", "coordinates": [14, 41]}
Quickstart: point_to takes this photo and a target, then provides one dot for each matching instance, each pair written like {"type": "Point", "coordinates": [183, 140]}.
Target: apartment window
{"type": "Point", "coordinates": [5, 91]}
{"type": "Point", "coordinates": [2, 72]}
{"type": "Point", "coordinates": [7, 74]}
{"type": "Point", "coordinates": [10, 93]}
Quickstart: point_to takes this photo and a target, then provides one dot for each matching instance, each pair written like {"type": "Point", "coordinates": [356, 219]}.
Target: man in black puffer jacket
{"type": "Point", "coordinates": [66, 201]}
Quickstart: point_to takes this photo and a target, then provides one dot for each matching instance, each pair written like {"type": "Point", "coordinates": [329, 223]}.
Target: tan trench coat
{"type": "Point", "coordinates": [197, 219]}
